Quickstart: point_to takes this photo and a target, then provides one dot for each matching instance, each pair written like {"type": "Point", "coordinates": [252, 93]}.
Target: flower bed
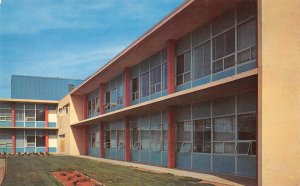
{"type": "Point", "coordinates": [72, 178]}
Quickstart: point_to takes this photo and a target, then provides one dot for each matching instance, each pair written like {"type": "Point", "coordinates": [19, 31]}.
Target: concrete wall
{"type": "Point", "coordinates": [279, 92]}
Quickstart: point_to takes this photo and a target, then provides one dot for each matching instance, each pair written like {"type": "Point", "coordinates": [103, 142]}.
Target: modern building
{"type": "Point", "coordinates": [28, 120]}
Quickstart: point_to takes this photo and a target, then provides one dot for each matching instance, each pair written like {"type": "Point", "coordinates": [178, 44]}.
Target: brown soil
{"type": "Point", "coordinates": [72, 178]}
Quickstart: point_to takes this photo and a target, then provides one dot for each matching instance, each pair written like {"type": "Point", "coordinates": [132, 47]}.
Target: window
{"type": "Point", "coordinates": [184, 136]}
{"type": "Point", "coordinates": [29, 112]}
{"type": "Point", "coordinates": [145, 84]}
{"type": "Point", "coordinates": [246, 41]}
{"type": "Point", "coordinates": [70, 87]}
{"type": "Point", "coordinates": [89, 108]}
{"type": "Point", "coordinates": [40, 141]}
{"type": "Point", "coordinates": [64, 110]}
{"type": "Point", "coordinates": [30, 141]}
{"type": "Point", "coordinates": [40, 112]}
{"type": "Point", "coordinates": [135, 88]}
{"type": "Point", "coordinates": [155, 80]}
{"type": "Point", "coordinates": [135, 136]}
{"type": "Point", "coordinates": [224, 135]}
{"type": "Point", "coordinates": [120, 139]}
{"type": "Point", "coordinates": [202, 60]}
{"type": "Point", "coordinates": [5, 112]}
{"type": "Point", "coordinates": [202, 136]}
{"type": "Point", "coordinates": [247, 127]}
{"type": "Point", "coordinates": [107, 140]}
{"type": "Point", "coordinates": [107, 100]}
{"type": "Point", "coordinates": [156, 137]}
{"type": "Point", "coordinates": [164, 76]}
{"type": "Point", "coordinates": [145, 138]}
{"type": "Point", "coordinates": [183, 68]}
{"type": "Point", "coordinates": [114, 96]}
{"type": "Point", "coordinates": [223, 51]}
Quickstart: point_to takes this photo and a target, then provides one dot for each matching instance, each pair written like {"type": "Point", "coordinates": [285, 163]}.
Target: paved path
{"type": "Point", "coordinates": [2, 170]}
{"type": "Point", "coordinates": [217, 179]}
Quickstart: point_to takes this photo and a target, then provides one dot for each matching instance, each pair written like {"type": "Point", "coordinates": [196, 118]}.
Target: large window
{"type": "Point", "coordinates": [93, 107]}
{"type": "Point", "coordinates": [135, 136]}
{"type": "Point", "coordinates": [30, 112]}
{"type": "Point", "coordinates": [5, 111]}
{"type": "Point", "coordinates": [202, 136]}
{"type": "Point", "coordinates": [145, 84]}
{"type": "Point", "coordinates": [107, 143]}
{"type": "Point", "coordinates": [40, 113]}
{"type": "Point", "coordinates": [20, 112]}
{"type": "Point", "coordinates": [30, 141]}
{"type": "Point", "coordinates": [93, 139]}
{"type": "Point", "coordinates": [184, 136]}
{"type": "Point", "coordinates": [114, 94]}
{"type": "Point", "coordinates": [223, 51]}
{"type": "Point", "coordinates": [135, 88]}
{"type": "Point", "coordinates": [246, 134]}
{"type": "Point", "coordinates": [201, 60]}
{"type": "Point", "coordinates": [183, 68]}
{"type": "Point", "coordinates": [40, 141]}
{"type": "Point", "coordinates": [155, 85]}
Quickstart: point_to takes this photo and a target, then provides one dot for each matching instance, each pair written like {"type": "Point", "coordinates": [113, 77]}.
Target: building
{"type": "Point", "coordinates": [28, 120]}
{"type": "Point", "coordinates": [41, 88]}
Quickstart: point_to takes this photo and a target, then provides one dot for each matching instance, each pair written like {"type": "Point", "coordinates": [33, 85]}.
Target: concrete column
{"type": "Point", "coordinates": [171, 137]}
{"type": "Point", "coordinates": [171, 66]}
{"type": "Point", "coordinates": [127, 86]}
{"type": "Point", "coordinates": [46, 125]}
{"type": "Point", "coordinates": [127, 139]}
{"type": "Point", "coordinates": [101, 99]}
{"type": "Point", "coordinates": [102, 152]}
{"type": "Point", "coordinates": [13, 121]}
{"type": "Point", "coordinates": [84, 130]}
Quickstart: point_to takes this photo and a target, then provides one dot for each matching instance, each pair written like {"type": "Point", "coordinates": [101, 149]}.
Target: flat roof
{"type": "Point", "coordinates": [28, 100]}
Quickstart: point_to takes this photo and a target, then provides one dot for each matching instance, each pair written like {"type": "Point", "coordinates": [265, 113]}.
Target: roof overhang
{"type": "Point", "coordinates": [28, 101]}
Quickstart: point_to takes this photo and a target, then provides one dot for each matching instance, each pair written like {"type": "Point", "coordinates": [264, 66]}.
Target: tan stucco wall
{"type": "Point", "coordinates": [52, 116]}
{"type": "Point", "coordinates": [72, 146]}
{"type": "Point", "coordinates": [279, 92]}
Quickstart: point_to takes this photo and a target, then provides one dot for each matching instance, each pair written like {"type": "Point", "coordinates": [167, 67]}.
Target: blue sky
{"type": "Point", "coordinates": [70, 38]}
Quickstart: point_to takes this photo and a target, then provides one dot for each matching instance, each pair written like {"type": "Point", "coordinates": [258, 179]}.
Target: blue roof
{"type": "Point", "coordinates": [41, 88]}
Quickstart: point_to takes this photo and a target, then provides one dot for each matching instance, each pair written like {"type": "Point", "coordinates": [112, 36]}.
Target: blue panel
{"type": "Point", "coordinates": [42, 88]}
{"type": "Point", "coordinates": [201, 81]}
{"type": "Point", "coordinates": [164, 93]}
{"type": "Point", "coordinates": [135, 155]}
{"type": "Point", "coordinates": [113, 153]}
{"type": "Point", "coordinates": [144, 156]}
{"type": "Point", "coordinates": [164, 158]}
{"type": "Point", "coordinates": [245, 67]}
{"type": "Point", "coordinates": [29, 124]}
{"type": "Point", "coordinates": [183, 86]}
{"type": "Point", "coordinates": [94, 152]}
{"type": "Point", "coordinates": [20, 150]}
{"type": "Point", "coordinates": [223, 74]}
{"type": "Point", "coordinates": [156, 95]}
{"type": "Point", "coordinates": [246, 166]}
{"type": "Point", "coordinates": [144, 99]}
{"type": "Point", "coordinates": [183, 160]}
{"type": "Point", "coordinates": [19, 124]}
{"type": "Point", "coordinates": [40, 124]}
{"type": "Point", "coordinates": [5, 124]}
{"type": "Point", "coordinates": [201, 161]}
{"type": "Point", "coordinates": [155, 158]}
{"type": "Point", "coordinates": [134, 102]}
{"type": "Point", "coordinates": [52, 124]}
{"type": "Point", "coordinates": [52, 149]}
{"type": "Point", "coordinates": [40, 149]}
{"type": "Point", "coordinates": [120, 155]}
{"type": "Point", "coordinates": [29, 149]}
{"type": "Point", "coordinates": [7, 150]}
{"type": "Point", "coordinates": [107, 153]}
{"type": "Point", "coordinates": [223, 164]}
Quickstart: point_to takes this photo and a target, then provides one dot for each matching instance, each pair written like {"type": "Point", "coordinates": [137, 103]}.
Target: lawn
{"type": "Point", "coordinates": [36, 170]}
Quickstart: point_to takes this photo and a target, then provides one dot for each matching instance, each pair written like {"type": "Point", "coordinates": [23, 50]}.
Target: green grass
{"type": "Point", "coordinates": [36, 170]}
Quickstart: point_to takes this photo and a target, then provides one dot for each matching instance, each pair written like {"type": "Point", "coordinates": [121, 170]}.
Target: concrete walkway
{"type": "Point", "coordinates": [2, 170]}
{"type": "Point", "coordinates": [217, 179]}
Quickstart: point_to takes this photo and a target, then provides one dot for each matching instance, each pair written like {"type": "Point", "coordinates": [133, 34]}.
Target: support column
{"type": "Point", "coordinates": [102, 153]}
{"type": "Point", "coordinates": [101, 99]}
{"type": "Point", "coordinates": [127, 139]}
{"type": "Point", "coordinates": [127, 86]}
{"type": "Point", "coordinates": [84, 140]}
{"type": "Point", "coordinates": [13, 123]}
{"type": "Point", "coordinates": [171, 137]}
{"type": "Point", "coordinates": [84, 107]}
{"type": "Point", "coordinates": [171, 66]}
{"type": "Point", "coordinates": [46, 125]}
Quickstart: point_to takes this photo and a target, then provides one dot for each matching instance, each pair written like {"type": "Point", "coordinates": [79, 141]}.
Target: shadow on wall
{"type": "Point", "coordinates": [78, 136]}
{"type": "Point", "coordinates": [78, 107]}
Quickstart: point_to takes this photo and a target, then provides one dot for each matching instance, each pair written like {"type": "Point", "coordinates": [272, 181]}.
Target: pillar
{"type": "Point", "coordinates": [171, 66]}
{"type": "Point", "coordinates": [84, 107]}
{"type": "Point", "coordinates": [46, 125]}
{"type": "Point", "coordinates": [13, 121]}
{"type": "Point", "coordinates": [102, 153]}
{"type": "Point", "coordinates": [101, 99]}
{"type": "Point", "coordinates": [127, 139]}
{"type": "Point", "coordinates": [127, 86]}
{"type": "Point", "coordinates": [84, 140]}
{"type": "Point", "coordinates": [171, 137]}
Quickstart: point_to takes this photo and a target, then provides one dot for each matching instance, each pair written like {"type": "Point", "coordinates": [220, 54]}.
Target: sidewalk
{"type": "Point", "coordinates": [2, 170]}
{"type": "Point", "coordinates": [217, 179]}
